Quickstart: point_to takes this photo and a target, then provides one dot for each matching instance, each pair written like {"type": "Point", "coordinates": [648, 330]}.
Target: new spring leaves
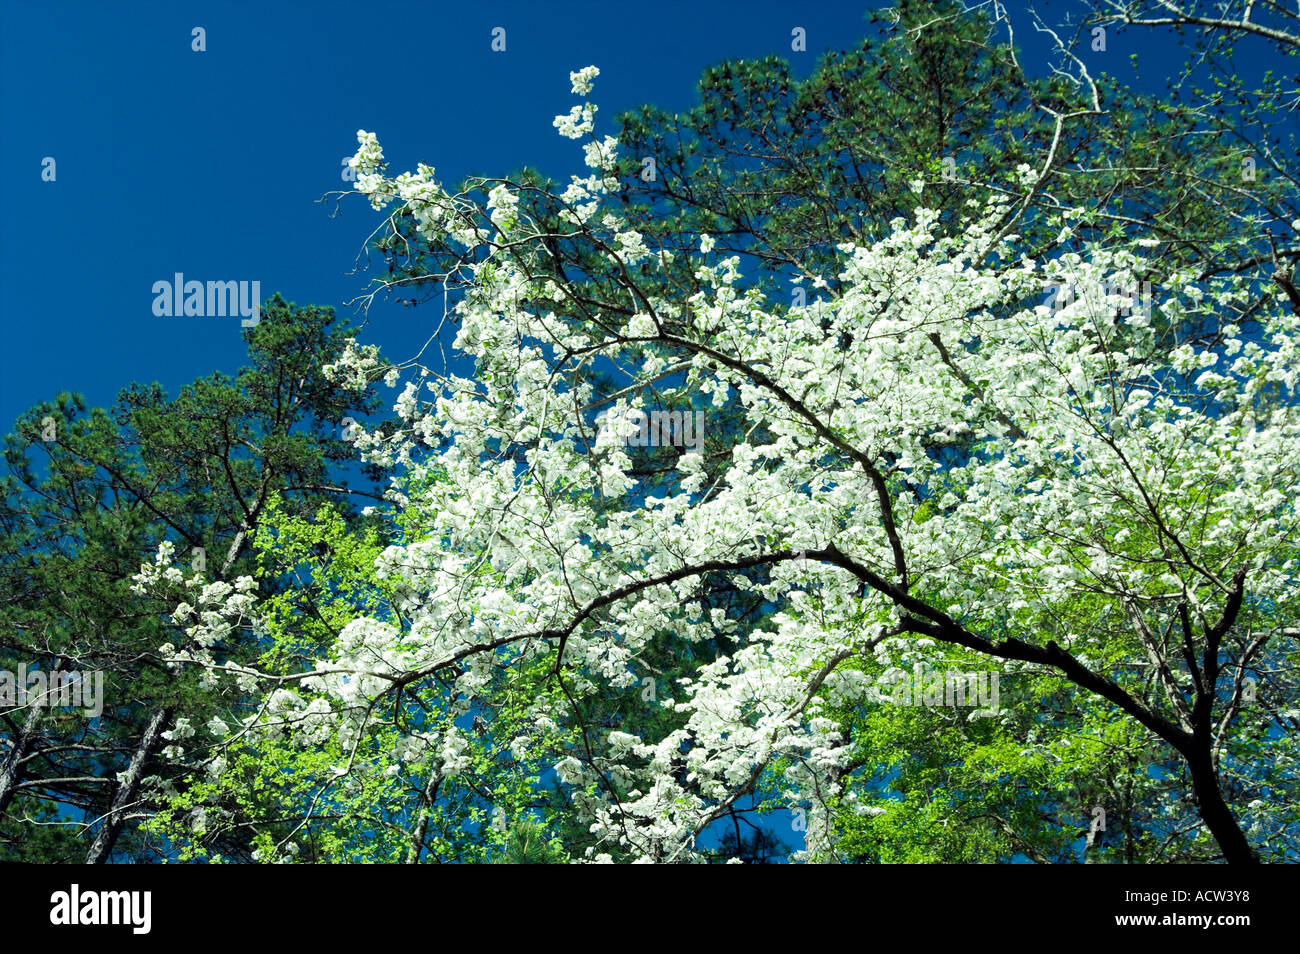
{"type": "Point", "coordinates": [1093, 466]}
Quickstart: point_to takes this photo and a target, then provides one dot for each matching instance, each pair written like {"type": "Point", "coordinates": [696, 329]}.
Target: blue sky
{"type": "Point", "coordinates": [211, 163]}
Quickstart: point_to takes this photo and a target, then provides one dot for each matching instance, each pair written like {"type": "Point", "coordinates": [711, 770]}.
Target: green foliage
{"type": "Point", "coordinates": [89, 496]}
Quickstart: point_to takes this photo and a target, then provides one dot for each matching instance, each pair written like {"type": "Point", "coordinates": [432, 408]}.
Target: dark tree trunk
{"type": "Point", "coordinates": [1215, 812]}
{"type": "Point", "coordinates": [101, 849]}
{"type": "Point", "coordinates": [11, 770]}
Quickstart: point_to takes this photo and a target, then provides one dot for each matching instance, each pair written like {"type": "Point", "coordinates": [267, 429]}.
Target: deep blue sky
{"type": "Point", "coordinates": [210, 164]}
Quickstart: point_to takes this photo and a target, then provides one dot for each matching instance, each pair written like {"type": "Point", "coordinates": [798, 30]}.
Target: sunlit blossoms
{"type": "Point", "coordinates": [928, 455]}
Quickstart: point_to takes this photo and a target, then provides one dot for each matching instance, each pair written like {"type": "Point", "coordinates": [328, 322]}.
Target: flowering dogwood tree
{"type": "Point", "coordinates": [933, 460]}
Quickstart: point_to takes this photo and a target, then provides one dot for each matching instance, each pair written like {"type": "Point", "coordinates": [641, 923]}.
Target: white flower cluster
{"type": "Point", "coordinates": [212, 612]}
{"type": "Point", "coordinates": [582, 79]}
{"type": "Point", "coordinates": [355, 366]}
